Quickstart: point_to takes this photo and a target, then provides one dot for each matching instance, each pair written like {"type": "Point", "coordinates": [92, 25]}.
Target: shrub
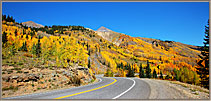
{"type": "Point", "coordinates": [19, 63]}
{"type": "Point", "coordinates": [108, 73]}
{"type": "Point", "coordinates": [10, 88]}
{"type": "Point", "coordinates": [19, 72]}
{"type": "Point", "coordinates": [187, 76]}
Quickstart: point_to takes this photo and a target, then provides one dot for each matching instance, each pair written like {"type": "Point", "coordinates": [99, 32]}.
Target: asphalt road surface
{"type": "Point", "coordinates": [106, 88]}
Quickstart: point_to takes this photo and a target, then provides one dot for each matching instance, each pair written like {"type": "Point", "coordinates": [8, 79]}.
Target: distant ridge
{"type": "Point", "coordinates": [32, 24]}
{"type": "Point", "coordinates": [103, 29]}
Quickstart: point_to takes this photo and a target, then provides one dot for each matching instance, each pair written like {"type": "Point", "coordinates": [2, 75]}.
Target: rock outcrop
{"type": "Point", "coordinates": [29, 81]}
{"type": "Point", "coordinates": [32, 24]}
{"type": "Point", "coordinates": [109, 35]}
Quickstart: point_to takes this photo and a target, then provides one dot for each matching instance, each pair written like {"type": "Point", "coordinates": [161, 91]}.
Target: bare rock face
{"type": "Point", "coordinates": [32, 24]}
{"type": "Point", "coordinates": [109, 35]}
{"type": "Point", "coordinates": [103, 29]}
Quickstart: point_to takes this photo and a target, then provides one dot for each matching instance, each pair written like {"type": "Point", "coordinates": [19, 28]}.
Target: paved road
{"type": "Point", "coordinates": [106, 88]}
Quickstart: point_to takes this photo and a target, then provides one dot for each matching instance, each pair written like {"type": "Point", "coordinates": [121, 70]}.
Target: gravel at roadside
{"type": "Point", "coordinates": [163, 89]}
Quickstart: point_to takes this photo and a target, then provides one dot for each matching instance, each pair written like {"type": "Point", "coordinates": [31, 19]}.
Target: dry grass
{"type": "Point", "coordinates": [191, 87]}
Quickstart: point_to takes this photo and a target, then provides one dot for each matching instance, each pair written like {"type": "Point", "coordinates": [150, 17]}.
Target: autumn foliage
{"type": "Point", "coordinates": [66, 46]}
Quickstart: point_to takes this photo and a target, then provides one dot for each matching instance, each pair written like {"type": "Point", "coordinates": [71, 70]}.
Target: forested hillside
{"type": "Point", "coordinates": [103, 52]}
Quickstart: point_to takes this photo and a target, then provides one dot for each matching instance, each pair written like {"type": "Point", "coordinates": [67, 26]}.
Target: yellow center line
{"type": "Point", "coordinates": [88, 90]}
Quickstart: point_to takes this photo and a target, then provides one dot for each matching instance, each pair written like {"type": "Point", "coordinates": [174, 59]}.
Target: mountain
{"type": "Point", "coordinates": [32, 24]}
{"type": "Point", "coordinates": [103, 29]}
{"type": "Point", "coordinates": [71, 55]}
{"type": "Point", "coordinates": [179, 48]}
{"type": "Point", "coordinates": [126, 41]}
{"type": "Point", "coordinates": [109, 35]}
{"type": "Point", "coordinates": [103, 51]}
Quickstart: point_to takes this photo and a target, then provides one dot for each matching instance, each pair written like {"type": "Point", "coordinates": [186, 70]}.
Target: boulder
{"type": "Point", "coordinates": [15, 77]}
{"type": "Point", "coordinates": [20, 79]}
{"type": "Point", "coordinates": [6, 78]}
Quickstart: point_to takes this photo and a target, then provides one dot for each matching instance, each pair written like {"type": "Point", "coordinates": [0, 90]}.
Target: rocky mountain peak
{"type": "Point", "coordinates": [32, 24]}
{"type": "Point", "coordinates": [109, 35]}
{"type": "Point", "coordinates": [103, 29]}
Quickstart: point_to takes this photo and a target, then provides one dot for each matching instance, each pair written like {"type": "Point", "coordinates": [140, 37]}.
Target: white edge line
{"type": "Point", "coordinates": [126, 90]}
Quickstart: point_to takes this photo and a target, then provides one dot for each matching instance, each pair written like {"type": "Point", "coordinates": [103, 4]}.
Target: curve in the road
{"type": "Point", "coordinates": [88, 90]}
{"type": "Point", "coordinates": [134, 83]}
{"type": "Point", "coordinates": [106, 88]}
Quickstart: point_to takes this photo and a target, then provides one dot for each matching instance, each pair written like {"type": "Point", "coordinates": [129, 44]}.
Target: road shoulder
{"type": "Point", "coordinates": [163, 89]}
{"type": "Point", "coordinates": [98, 80]}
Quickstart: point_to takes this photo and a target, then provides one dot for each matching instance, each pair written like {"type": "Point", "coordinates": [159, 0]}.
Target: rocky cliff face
{"type": "Point", "coordinates": [109, 35]}
{"type": "Point", "coordinates": [32, 24]}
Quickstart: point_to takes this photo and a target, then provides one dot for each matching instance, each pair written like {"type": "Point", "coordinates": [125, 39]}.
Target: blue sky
{"type": "Point", "coordinates": [177, 21]}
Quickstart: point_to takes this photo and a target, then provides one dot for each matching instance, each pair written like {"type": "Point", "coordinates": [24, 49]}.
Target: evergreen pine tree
{"type": "Point", "coordinates": [130, 71]}
{"type": "Point", "coordinates": [203, 69]}
{"type": "Point", "coordinates": [148, 70]}
{"type": "Point", "coordinates": [4, 17]}
{"type": "Point", "coordinates": [89, 64]}
{"type": "Point", "coordinates": [121, 65]}
{"type": "Point", "coordinates": [87, 46]}
{"type": "Point", "coordinates": [4, 38]}
{"type": "Point", "coordinates": [126, 66]}
{"type": "Point", "coordinates": [89, 52]}
{"type": "Point", "coordinates": [11, 19]}
{"type": "Point", "coordinates": [8, 18]}
{"type": "Point", "coordinates": [16, 32]}
{"type": "Point", "coordinates": [141, 71]}
{"type": "Point", "coordinates": [27, 37]}
{"type": "Point", "coordinates": [154, 74]}
{"type": "Point", "coordinates": [158, 68]}
{"type": "Point", "coordinates": [38, 47]}
{"type": "Point", "coordinates": [25, 48]}
{"type": "Point", "coordinates": [24, 32]}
